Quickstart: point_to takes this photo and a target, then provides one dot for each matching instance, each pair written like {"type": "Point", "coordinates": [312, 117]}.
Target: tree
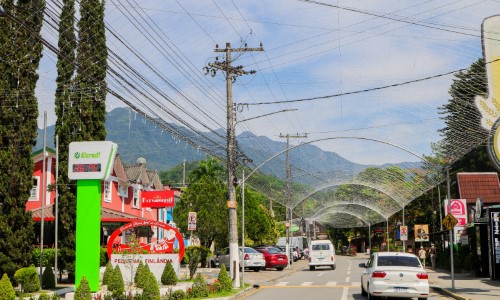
{"type": "Point", "coordinates": [206, 195]}
{"type": "Point", "coordinates": [21, 51]}
{"type": "Point", "coordinates": [6, 289]}
{"type": "Point", "coordinates": [82, 292]}
{"type": "Point", "coordinates": [168, 277]}
{"type": "Point", "coordinates": [116, 284]}
{"type": "Point", "coordinates": [108, 273]}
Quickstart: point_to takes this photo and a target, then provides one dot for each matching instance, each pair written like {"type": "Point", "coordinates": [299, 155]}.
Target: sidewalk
{"type": "Point", "coordinates": [466, 285]}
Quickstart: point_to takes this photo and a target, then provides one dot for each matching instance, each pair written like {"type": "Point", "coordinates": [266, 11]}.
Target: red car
{"type": "Point", "coordinates": [274, 257]}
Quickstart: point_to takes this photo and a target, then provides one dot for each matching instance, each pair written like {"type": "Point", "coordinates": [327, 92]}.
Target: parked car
{"type": "Point", "coordinates": [322, 254]}
{"type": "Point", "coordinates": [252, 259]}
{"type": "Point", "coordinates": [394, 274]}
{"type": "Point", "coordinates": [298, 243]}
{"type": "Point", "coordinates": [292, 251]}
{"type": "Point", "coordinates": [274, 257]}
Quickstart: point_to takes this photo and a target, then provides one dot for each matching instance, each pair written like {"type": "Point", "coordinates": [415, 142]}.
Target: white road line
{"type": "Point", "coordinates": [349, 272]}
{"type": "Point", "coordinates": [321, 273]}
{"type": "Point", "coordinates": [307, 283]}
{"type": "Point", "coordinates": [331, 283]}
{"type": "Point", "coordinates": [347, 279]}
{"type": "Point", "coordinates": [344, 293]}
{"type": "Point", "coordinates": [282, 283]}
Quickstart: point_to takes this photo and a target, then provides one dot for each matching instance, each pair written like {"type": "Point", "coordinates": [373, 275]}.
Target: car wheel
{"type": "Point", "coordinates": [422, 298]}
{"type": "Point", "coordinates": [212, 264]}
{"type": "Point", "coordinates": [363, 292]}
{"type": "Point", "coordinates": [311, 268]}
{"type": "Point", "coordinates": [279, 269]}
{"type": "Point", "coordinates": [256, 269]}
{"type": "Point", "coordinates": [370, 296]}
{"type": "Point", "coordinates": [333, 267]}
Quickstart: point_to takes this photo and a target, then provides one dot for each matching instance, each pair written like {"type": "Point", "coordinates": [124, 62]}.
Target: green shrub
{"type": "Point", "coordinates": [194, 256]}
{"type": "Point", "coordinates": [116, 285]}
{"type": "Point", "coordinates": [137, 296]}
{"type": "Point", "coordinates": [169, 277]}
{"type": "Point", "coordinates": [226, 284]}
{"type": "Point", "coordinates": [151, 290]}
{"type": "Point", "coordinates": [28, 278]}
{"type": "Point", "coordinates": [108, 272]}
{"type": "Point", "coordinates": [48, 277]}
{"type": "Point", "coordinates": [142, 276]}
{"type": "Point", "coordinates": [6, 289]}
{"type": "Point", "coordinates": [48, 256]}
{"type": "Point", "coordinates": [103, 260]}
{"type": "Point", "coordinates": [82, 292]}
{"type": "Point", "coordinates": [199, 288]}
{"type": "Point", "coordinates": [138, 271]}
{"type": "Point", "coordinates": [204, 254]}
{"type": "Point", "coordinates": [177, 295]}
{"type": "Point", "coordinates": [44, 296]}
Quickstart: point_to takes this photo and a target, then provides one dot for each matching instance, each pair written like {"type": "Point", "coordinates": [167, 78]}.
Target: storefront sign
{"type": "Point", "coordinates": [157, 198]}
{"type": "Point", "coordinates": [155, 262]}
{"type": "Point", "coordinates": [495, 236]}
{"type": "Point", "coordinates": [458, 208]}
{"type": "Point", "coordinates": [421, 233]}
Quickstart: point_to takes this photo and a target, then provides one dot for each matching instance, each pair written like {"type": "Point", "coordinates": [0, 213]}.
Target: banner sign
{"type": "Point", "coordinates": [155, 262]}
{"type": "Point", "coordinates": [157, 198]}
{"type": "Point", "coordinates": [403, 233]}
{"type": "Point", "coordinates": [192, 220]}
{"type": "Point", "coordinates": [458, 208]}
{"type": "Point", "coordinates": [421, 233]}
{"type": "Point", "coordinates": [495, 235]}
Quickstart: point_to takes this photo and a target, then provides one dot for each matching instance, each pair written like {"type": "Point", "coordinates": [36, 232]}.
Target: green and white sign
{"type": "Point", "coordinates": [91, 160]}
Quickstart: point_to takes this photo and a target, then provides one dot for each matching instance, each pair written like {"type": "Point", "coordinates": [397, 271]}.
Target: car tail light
{"type": "Point", "coordinates": [331, 258]}
{"type": "Point", "coordinates": [422, 276]}
{"type": "Point", "coordinates": [378, 274]}
{"type": "Point", "coordinates": [247, 257]}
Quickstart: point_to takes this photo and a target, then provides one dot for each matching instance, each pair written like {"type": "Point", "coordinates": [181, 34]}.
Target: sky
{"type": "Point", "coordinates": [312, 49]}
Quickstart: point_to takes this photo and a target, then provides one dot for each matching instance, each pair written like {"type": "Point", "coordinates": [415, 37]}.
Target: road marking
{"type": "Point", "coordinates": [349, 272]}
{"type": "Point", "coordinates": [354, 283]}
{"type": "Point", "coordinates": [344, 293]}
{"type": "Point", "coordinates": [347, 279]}
{"type": "Point", "coordinates": [307, 283]}
{"type": "Point", "coordinates": [331, 283]}
{"type": "Point", "coordinates": [282, 283]}
{"type": "Point", "coordinates": [321, 274]}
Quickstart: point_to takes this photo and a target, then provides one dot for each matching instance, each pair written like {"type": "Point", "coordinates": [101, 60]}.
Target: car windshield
{"type": "Point", "coordinates": [321, 247]}
{"type": "Point", "coordinates": [250, 250]}
{"type": "Point", "coordinates": [399, 261]}
{"type": "Point", "coordinates": [273, 250]}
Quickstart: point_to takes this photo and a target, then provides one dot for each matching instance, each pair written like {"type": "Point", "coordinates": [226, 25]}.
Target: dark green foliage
{"type": "Point", "coordinates": [45, 296]}
{"type": "Point", "coordinates": [138, 271]}
{"type": "Point", "coordinates": [116, 284]}
{"type": "Point", "coordinates": [19, 50]}
{"type": "Point", "coordinates": [225, 281]}
{"type": "Point", "coordinates": [28, 278]}
{"type": "Point", "coordinates": [151, 290]}
{"type": "Point", "coordinates": [194, 256]}
{"type": "Point", "coordinates": [48, 277]}
{"type": "Point", "coordinates": [108, 273]}
{"type": "Point", "coordinates": [176, 295]}
{"type": "Point", "coordinates": [82, 292]}
{"type": "Point", "coordinates": [6, 289]}
{"type": "Point", "coordinates": [104, 257]}
{"type": "Point", "coordinates": [199, 288]}
{"type": "Point", "coordinates": [168, 277]}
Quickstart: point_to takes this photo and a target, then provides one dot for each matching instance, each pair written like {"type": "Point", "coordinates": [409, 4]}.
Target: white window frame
{"type": "Point", "coordinates": [122, 190]}
{"type": "Point", "coordinates": [108, 190]}
{"type": "Point", "coordinates": [35, 188]}
{"type": "Point", "coordinates": [135, 198]}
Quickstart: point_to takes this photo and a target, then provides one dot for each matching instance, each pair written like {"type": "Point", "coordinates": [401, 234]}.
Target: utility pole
{"type": "Point", "coordinates": [288, 191]}
{"type": "Point", "coordinates": [231, 74]}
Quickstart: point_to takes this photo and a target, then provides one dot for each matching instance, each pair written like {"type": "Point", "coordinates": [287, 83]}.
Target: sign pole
{"type": "Point", "coordinates": [451, 231]}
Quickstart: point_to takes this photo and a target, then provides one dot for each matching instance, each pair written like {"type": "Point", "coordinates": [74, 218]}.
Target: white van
{"type": "Point", "coordinates": [321, 253]}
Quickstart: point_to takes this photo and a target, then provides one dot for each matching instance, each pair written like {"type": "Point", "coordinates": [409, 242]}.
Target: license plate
{"type": "Point", "coordinates": [401, 289]}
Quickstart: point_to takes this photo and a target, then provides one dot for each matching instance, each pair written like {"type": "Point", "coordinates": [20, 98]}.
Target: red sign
{"type": "Point", "coordinates": [157, 198]}
{"type": "Point", "coordinates": [162, 246]}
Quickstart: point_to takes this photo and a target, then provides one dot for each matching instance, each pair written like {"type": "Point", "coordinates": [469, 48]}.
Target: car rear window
{"type": "Point", "coordinates": [250, 250]}
{"type": "Point", "coordinates": [273, 250]}
{"type": "Point", "coordinates": [321, 247]}
{"type": "Point", "coordinates": [399, 261]}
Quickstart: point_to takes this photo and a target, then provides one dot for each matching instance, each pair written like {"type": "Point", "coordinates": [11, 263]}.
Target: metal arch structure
{"type": "Point", "coordinates": [346, 213]}
{"type": "Point", "coordinates": [340, 203]}
{"type": "Point", "coordinates": [348, 183]}
{"type": "Point", "coordinates": [335, 138]}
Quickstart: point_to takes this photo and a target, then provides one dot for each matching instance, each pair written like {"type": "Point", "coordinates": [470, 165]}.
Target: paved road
{"type": "Point", "coordinates": [323, 283]}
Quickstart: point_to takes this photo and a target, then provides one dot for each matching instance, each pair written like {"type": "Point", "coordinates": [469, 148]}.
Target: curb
{"type": "Point", "coordinates": [447, 293]}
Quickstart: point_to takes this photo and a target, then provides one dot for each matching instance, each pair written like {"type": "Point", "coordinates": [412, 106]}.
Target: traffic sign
{"type": "Point", "coordinates": [449, 221]}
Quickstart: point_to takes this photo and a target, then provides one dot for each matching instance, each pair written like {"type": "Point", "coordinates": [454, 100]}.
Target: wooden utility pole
{"type": "Point", "coordinates": [231, 74]}
{"type": "Point", "coordinates": [288, 191]}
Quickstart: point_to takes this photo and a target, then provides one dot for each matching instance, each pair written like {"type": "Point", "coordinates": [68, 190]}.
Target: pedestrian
{"type": "Point", "coordinates": [433, 255]}
{"type": "Point", "coordinates": [422, 254]}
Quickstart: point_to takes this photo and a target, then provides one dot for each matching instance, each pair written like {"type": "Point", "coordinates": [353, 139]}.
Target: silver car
{"type": "Point", "coordinates": [252, 259]}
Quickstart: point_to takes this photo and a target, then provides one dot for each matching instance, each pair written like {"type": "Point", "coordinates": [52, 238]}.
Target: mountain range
{"type": "Point", "coordinates": [137, 136]}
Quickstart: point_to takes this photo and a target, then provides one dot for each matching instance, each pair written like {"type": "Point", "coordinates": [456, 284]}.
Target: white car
{"type": "Point", "coordinates": [252, 259]}
{"type": "Point", "coordinates": [394, 274]}
{"type": "Point", "coordinates": [322, 254]}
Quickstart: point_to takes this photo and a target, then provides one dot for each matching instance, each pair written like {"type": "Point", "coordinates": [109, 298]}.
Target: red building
{"type": "Point", "coordinates": [121, 198]}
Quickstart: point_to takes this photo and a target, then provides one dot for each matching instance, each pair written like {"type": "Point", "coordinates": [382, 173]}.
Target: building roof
{"type": "Point", "coordinates": [107, 215]}
{"type": "Point", "coordinates": [479, 185]}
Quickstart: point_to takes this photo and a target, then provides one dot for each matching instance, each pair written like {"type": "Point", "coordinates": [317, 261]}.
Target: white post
{"type": "Point", "coordinates": [243, 230]}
